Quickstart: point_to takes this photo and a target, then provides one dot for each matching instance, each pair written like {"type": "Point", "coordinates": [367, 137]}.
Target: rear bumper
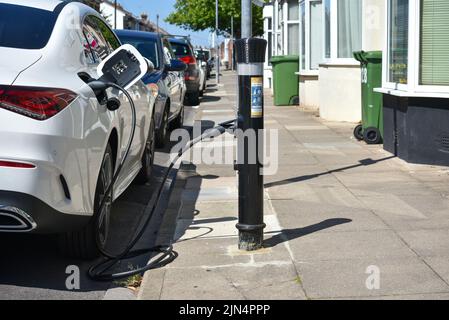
{"type": "Point", "coordinates": [45, 219]}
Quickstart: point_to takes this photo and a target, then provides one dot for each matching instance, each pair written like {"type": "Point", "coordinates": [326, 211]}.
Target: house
{"type": "Point", "coordinates": [325, 33]}
{"type": "Point", "coordinates": [108, 10]}
{"type": "Point", "coordinates": [416, 80]}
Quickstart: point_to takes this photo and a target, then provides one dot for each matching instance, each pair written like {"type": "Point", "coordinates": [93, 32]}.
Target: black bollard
{"type": "Point", "coordinates": [250, 54]}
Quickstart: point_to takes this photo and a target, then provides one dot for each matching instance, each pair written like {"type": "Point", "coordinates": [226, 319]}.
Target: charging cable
{"type": "Point", "coordinates": [163, 254]}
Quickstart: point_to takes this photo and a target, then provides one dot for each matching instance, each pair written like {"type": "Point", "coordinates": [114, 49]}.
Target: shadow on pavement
{"type": "Point", "coordinates": [291, 234]}
{"type": "Point", "coordinates": [362, 163]}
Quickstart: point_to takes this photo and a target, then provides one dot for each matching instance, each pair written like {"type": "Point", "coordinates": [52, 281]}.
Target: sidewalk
{"type": "Point", "coordinates": [337, 211]}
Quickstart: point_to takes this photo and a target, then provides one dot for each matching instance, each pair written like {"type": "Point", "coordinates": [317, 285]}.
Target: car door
{"type": "Point", "coordinates": [175, 80]}
{"type": "Point", "coordinates": [102, 42]}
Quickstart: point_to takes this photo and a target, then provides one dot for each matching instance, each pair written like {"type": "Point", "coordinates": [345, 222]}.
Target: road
{"type": "Point", "coordinates": [31, 268]}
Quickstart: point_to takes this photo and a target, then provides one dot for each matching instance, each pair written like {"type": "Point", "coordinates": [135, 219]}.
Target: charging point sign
{"type": "Point", "coordinates": [256, 97]}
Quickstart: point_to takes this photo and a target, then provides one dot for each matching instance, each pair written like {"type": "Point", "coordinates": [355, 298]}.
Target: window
{"type": "Point", "coordinates": [349, 27]}
{"type": "Point", "coordinates": [292, 27]}
{"type": "Point", "coordinates": [316, 30]}
{"type": "Point", "coordinates": [25, 27]}
{"type": "Point", "coordinates": [312, 24]}
{"type": "Point", "coordinates": [181, 49]}
{"type": "Point", "coordinates": [434, 54]}
{"type": "Point", "coordinates": [327, 29]}
{"type": "Point", "coordinates": [98, 44]}
{"type": "Point", "coordinates": [398, 41]}
{"type": "Point", "coordinates": [147, 48]}
{"type": "Point", "coordinates": [303, 35]}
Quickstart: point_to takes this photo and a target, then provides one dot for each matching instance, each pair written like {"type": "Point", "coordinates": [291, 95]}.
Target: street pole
{"type": "Point", "coordinates": [232, 39]}
{"type": "Point", "coordinates": [115, 14]}
{"type": "Point", "coordinates": [217, 55]}
{"type": "Point", "coordinates": [250, 60]}
{"type": "Point", "coordinates": [157, 23]}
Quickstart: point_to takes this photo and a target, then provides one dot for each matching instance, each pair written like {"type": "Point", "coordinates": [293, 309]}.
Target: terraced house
{"type": "Point", "coordinates": [413, 36]}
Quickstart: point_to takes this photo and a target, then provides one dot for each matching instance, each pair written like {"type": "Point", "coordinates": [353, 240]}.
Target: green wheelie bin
{"type": "Point", "coordinates": [285, 80]}
{"type": "Point", "coordinates": [371, 129]}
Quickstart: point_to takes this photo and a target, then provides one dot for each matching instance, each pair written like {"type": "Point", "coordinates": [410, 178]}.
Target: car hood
{"type": "Point", "coordinates": [14, 61]}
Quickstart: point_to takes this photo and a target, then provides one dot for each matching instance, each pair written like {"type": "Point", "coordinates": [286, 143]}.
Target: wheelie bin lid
{"type": "Point", "coordinates": [288, 58]}
{"type": "Point", "coordinates": [367, 56]}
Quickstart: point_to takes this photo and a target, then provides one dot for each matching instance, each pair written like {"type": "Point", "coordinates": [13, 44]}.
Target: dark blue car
{"type": "Point", "coordinates": [166, 82]}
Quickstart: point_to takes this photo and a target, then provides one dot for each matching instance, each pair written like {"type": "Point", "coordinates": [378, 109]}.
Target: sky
{"type": "Point", "coordinates": [164, 8]}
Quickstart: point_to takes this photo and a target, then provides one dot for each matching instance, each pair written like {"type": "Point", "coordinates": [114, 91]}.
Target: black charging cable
{"type": "Point", "coordinates": [163, 254]}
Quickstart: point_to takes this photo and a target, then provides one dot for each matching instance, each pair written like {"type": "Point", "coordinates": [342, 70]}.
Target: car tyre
{"type": "Point", "coordinates": [179, 121]}
{"type": "Point", "coordinates": [148, 157]}
{"type": "Point", "coordinates": [161, 134]}
{"type": "Point", "coordinates": [194, 98]}
{"type": "Point", "coordinates": [82, 244]}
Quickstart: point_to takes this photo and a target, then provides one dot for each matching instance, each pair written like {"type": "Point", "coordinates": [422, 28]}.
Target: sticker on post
{"type": "Point", "coordinates": [256, 97]}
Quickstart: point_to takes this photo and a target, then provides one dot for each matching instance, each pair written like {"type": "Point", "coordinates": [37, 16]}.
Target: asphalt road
{"type": "Point", "coordinates": [31, 268]}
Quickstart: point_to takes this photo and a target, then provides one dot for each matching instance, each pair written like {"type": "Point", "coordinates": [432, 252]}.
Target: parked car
{"type": "Point", "coordinates": [205, 55]}
{"type": "Point", "coordinates": [184, 51]}
{"type": "Point", "coordinates": [166, 83]}
{"type": "Point", "coordinates": [60, 143]}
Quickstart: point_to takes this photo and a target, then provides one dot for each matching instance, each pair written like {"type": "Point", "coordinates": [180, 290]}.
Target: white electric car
{"type": "Point", "coordinates": [59, 141]}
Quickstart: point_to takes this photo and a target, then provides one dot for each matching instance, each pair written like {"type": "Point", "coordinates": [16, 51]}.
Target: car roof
{"type": "Point", "coordinates": [48, 5]}
{"type": "Point", "coordinates": [137, 34]}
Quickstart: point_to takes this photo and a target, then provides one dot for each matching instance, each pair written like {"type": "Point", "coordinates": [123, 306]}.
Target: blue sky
{"type": "Point", "coordinates": [164, 8]}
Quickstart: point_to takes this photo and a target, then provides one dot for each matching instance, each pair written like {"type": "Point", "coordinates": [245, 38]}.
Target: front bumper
{"type": "Point", "coordinates": [46, 219]}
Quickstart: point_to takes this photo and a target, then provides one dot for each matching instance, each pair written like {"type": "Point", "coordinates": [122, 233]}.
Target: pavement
{"type": "Point", "coordinates": [344, 220]}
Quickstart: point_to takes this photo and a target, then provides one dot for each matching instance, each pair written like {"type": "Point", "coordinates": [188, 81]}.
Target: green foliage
{"type": "Point", "coordinates": [199, 15]}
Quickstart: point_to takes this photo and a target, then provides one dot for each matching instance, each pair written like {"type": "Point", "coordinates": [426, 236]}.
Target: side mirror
{"type": "Point", "coordinates": [176, 65]}
{"type": "Point", "coordinates": [124, 67]}
{"type": "Point", "coordinates": [203, 64]}
{"type": "Point", "coordinates": [150, 66]}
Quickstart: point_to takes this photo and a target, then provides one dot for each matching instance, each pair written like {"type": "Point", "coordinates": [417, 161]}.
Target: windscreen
{"type": "Point", "coordinates": [180, 49]}
{"type": "Point", "coordinates": [146, 47]}
{"type": "Point", "coordinates": [25, 27]}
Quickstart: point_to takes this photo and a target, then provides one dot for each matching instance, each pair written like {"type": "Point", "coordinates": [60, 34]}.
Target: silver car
{"type": "Point", "coordinates": [59, 143]}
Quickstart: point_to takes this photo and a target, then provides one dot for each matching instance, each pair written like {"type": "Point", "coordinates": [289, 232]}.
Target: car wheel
{"type": "Point", "coordinates": [161, 134]}
{"type": "Point", "coordinates": [194, 98]}
{"type": "Point", "coordinates": [179, 121]}
{"type": "Point", "coordinates": [148, 157]}
{"type": "Point", "coordinates": [83, 244]}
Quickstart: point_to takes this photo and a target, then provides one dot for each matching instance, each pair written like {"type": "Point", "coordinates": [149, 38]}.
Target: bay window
{"type": "Point", "coordinates": [342, 29]}
{"type": "Point", "coordinates": [292, 27]}
{"type": "Point", "coordinates": [417, 44]}
{"type": "Point", "coordinates": [312, 24]}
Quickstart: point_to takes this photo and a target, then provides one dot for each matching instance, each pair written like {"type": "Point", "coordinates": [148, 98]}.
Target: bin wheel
{"type": "Point", "coordinates": [372, 136]}
{"type": "Point", "coordinates": [358, 132]}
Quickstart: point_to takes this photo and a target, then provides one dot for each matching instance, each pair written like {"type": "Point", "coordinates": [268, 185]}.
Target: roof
{"type": "Point", "coordinates": [48, 5]}
{"type": "Point", "coordinates": [138, 34]}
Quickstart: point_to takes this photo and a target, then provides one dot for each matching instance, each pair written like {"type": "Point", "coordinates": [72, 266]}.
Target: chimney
{"type": "Point", "coordinates": [144, 16]}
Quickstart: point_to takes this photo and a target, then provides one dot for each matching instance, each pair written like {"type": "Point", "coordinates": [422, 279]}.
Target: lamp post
{"type": "Point", "coordinates": [115, 14]}
{"type": "Point", "coordinates": [217, 54]}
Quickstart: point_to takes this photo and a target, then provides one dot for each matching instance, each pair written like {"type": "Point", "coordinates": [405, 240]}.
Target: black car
{"type": "Point", "coordinates": [167, 82]}
{"type": "Point", "coordinates": [184, 51]}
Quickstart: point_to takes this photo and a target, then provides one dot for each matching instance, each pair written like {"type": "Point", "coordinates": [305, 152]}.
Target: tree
{"type": "Point", "coordinates": [199, 15]}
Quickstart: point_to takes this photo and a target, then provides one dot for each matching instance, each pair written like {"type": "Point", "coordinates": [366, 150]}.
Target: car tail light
{"type": "Point", "coordinates": [37, 103]}
{"type": "Point", "coordinates": [188, 60]}
{"type": "Point", "coordinates": [13, 164]}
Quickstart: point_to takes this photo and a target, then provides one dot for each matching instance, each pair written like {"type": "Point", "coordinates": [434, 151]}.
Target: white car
{"type": "Point", "coordinates": [60, 143]}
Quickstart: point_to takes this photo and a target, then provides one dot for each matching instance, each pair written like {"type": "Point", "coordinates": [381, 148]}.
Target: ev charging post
{"type": "Point", "coordinates": [250, 54]}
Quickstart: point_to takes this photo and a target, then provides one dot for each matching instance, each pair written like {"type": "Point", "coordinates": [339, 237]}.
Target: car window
{"type": "Point", "coordinates": [146, 47]}
{"type": "Point", "coordinates": [25, 27]}
{"type": "Point", "coordinates": [181, 49]}
{"type": "Point", "coordinates": [168, 53]}
{"type": "Point", "coordinates": [100, 38]}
